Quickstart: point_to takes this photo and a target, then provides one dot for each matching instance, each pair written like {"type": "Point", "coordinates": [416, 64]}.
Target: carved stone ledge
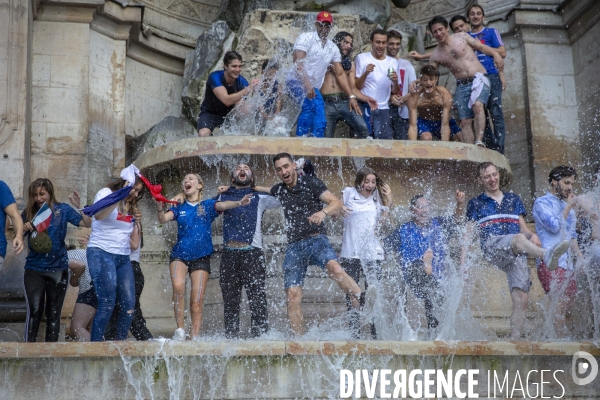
{"type": "Point", "coordinates": [154, 59]}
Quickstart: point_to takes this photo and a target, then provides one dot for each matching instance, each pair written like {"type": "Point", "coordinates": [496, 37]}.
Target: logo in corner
{"type": "Point", "coordinates": [582, 363]}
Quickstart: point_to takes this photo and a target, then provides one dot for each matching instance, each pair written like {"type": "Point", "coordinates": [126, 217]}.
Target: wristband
{"type": "Point", "coordinates": [350, 97]}
{"type": "Point", "coordinates": [325, 212]}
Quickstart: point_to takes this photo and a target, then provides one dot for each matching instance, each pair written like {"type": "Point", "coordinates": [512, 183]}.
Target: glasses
{"type": "Point", "coordinates": [326, 25]}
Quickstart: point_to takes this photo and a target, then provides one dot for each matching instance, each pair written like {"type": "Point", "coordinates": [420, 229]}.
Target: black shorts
{"type": "Point", "coordinates": [199, 264]}
{"type": "Point", "coordinates": [88, 297]}
{"type": "Point", "coordinates": [209, 121]}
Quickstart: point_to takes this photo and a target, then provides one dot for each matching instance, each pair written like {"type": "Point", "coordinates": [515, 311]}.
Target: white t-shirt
{"type": "Point", "coordinates": [359, 239]}
{"type": "Point", "coordinates": [318, 57]}
{"type": "Point", "coordinates": [406, 74]}
{"type": "Point", "coordinates": [377, 85]}
{"type": "Point", "coordinates": [135, 254]}
{"type": "Point", "coordinates": [112, 233]}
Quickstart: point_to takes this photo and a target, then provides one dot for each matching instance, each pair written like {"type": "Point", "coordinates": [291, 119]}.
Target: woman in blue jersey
{"type": "Point", "coordinates": [191, 254]}
{"type": "Point", "coordinates": [46, 268]}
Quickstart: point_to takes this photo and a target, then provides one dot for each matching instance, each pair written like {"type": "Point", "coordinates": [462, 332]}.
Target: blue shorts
{"type": "Point", "coordinates": [462, 95]}
{"type": "Point", "coordinates": [435, 127]}
{"type": "Point", "coordinates": [209, 121]}
{"type": "Point", "coordinates": [314, 250]}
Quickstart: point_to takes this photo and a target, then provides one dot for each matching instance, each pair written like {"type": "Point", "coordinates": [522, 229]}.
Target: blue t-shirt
{"type": "Point", "coordinates": [211, 102]}
{"type": "Point", "coordinates": [411, 242]}
{"type": "Point", "coordinates": [56, 259]}
{"type": "Point", "coordinates": [490, 37]}
{"type": "Point", "coordinates": [6, 199]}
{"type": "Point", "coordinates": [194, 233]}
{"type": "Point", "coordinates": [496, 219]}
{"type": "Point", "coordinates": [243, 224]}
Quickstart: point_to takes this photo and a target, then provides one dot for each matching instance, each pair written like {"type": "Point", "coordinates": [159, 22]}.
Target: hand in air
{"type": "Point", "coordinates": [75, 199]}
{"type": "Point", "coordinates": [180, 198]}
{"type": "Point", "coordinates": [222, 189]}
{"type": "Point", "coordinates": [414, 54]}
{"type": "Point", "coordinates": [413, 87]}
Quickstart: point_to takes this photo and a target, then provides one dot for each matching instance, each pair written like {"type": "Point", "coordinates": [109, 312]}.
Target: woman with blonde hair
{"type": "Point", "coordinates": [191, 254]}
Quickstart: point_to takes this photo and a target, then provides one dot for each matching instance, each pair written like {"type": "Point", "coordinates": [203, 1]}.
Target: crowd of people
{"type": "Point", "coordinates": [110, 280]}
{"type": "Point", "coordinates": [377, 94]}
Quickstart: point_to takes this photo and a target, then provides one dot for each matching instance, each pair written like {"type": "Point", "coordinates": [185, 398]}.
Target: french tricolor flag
{"type": "Point", "coordinates": [42, 219]}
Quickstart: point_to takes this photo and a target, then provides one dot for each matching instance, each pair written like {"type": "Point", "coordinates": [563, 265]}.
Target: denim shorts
{"type": "Point", "coordinates": [314, 250]}
{"type": "Point", "coordinates": [462, 95]}
{"type": "Point", "coordinates": [199, 264]}
{"type": "Point", "coordinates": [88, 297]}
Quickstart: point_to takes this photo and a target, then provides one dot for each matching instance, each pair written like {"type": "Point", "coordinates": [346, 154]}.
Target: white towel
{"type": "Point", "coordinates": [129, 174]}
{"type": "Point", "coordinates": [478, 83]}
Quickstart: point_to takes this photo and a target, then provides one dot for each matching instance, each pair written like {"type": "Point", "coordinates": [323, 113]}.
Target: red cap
{"type": "Point", "coordinates": [325, 16]}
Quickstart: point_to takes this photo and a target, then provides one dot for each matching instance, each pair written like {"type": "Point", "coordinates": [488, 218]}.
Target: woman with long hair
{"type": "Point", "coordinates": [114, 228]}
{"type": "Point", "coordinates": [191, 254]}
{"type": "Point", "coordinates": [364, 205]}
{"type": "Point", "coordinates": [47, 265]}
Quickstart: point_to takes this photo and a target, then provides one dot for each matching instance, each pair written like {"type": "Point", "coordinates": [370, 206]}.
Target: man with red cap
{"type": "Point", "coordinates": [313, 53]}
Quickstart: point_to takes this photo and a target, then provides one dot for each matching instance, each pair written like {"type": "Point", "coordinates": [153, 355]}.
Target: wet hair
{"type": "Point", "coordinates": [476, 6]}
{"type": "Point", "coordinates": [562, 171]}
{"type": "Point", "coordinates": [32, 208]}
{"type": "Point", "coordinates": [430, 70]}
{"type": "Point", "coordinates": [438, 19]}
{"type": "Point", "coordinates": [70, 247]}
{"type": "Point", "coordinates": [378, 31]}
{"type": "Point", "coordinates": [483, 166]}
{"type": "Point", "coordinates": [279, 156]}
{"type": "Point", "coordinates": [362, 174]}
{"type": "Point", "coordinates": [265, 65]}
{"type": "Point", "coordinates": [457, 18]}
{"type": "Point", "coordinates": [339, 38]}
{"type": "Point", "coordinates": [415, 199]}
{"type": "Point", "coordinates": [394, 34]}
{"type": "Point", "coordinates": [230, 56]}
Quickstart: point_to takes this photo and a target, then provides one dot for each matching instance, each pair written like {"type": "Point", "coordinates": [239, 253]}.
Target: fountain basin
{"type": "Point", "coordinates": [268, 369]}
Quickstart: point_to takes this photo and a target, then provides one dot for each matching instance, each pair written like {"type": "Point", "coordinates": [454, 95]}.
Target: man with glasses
{"type": "Point", "coordinates": [422, 248]}
{"type": "Point", "coordinates": [313, 55]}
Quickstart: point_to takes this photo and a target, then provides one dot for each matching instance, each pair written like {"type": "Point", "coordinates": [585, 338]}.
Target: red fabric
{"type": "Point", "coordinates": [559, 279]}
{"type": "Point", "coordinates": [155, 190]}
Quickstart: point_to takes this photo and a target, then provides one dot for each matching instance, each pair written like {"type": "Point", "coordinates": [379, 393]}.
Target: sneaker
{"type": "Point", "coordinates": [553, 254]}
{"type": "Point", "coordinates": [179, 334]}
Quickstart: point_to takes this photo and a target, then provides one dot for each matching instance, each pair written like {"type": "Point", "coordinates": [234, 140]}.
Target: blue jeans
{"type": "Point", "coordinates": [314, 250]}
{"type": "Point", "coordinates": [311, 121]}
{"type": "Point", "coordinates": [340, 110]}
{"type": "Point", "coordinates": [399, 124]}
{"type": "Point", "coordinates": [378, 121]}
{"type": "Point", "coordinates": [495, 139]}
{"type": "Point", "coordinates": [462, 95]}
{"type": "Point", "coordinates": [113, 279]}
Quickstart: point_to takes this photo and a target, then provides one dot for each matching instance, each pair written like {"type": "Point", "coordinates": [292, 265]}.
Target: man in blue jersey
{"type": "Point", "coordinates": [224, 89]}
{"type": "Point", "coordinates": [506, 241]}
{"type": "Point", "coordinates": [491, 38]}
{"type": "Point", "coordinates": [8, 207]}
{"type": "Point", "coordinates": [243, 260]}
{"type": "Point", "coordinates": [422, 248]}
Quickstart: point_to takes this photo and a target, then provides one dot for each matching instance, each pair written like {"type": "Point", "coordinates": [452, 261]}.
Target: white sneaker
{"type": "Point", "coordinates": [553, 254]}
{"type": "Point", "coordinates": [179, 334]}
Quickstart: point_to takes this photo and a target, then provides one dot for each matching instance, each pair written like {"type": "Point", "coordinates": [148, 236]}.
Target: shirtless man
{"type": "Point", "coordinates": [457, 53]}
{"type": "Point", "coordinates": [429, 110]}
{"type": "Point", "coordinates": [336, 101]}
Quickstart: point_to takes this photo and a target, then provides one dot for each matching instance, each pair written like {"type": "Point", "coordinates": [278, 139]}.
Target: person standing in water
{"type": "Point", "coordinates": [364, 206]}
{"type": "Point", "coordinates": [191, 254]}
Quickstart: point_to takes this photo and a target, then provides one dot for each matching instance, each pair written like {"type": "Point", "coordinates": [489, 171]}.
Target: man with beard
{"type": "Point", "coordinates": [336, 101]}
{"type": "Point", "coordinates": [376, 76]}
{"type": "Point", "coordinates": [406, 74]}
{"type": "Point", "coordinates": [422, 247]}
{"type": "Point", "coordinates": [243, 260]}
{"type": "Point", "coordinates": [302, 199]}
{"type": "Point", "coordinates": [506, 240]}
{"type": "Point", "coordinates": [313, 55]}
{"type": "Point", "coordinates": [555, 221]}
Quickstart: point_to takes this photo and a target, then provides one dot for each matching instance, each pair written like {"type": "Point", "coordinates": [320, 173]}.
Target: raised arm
{"type": "Point", "coordinates": [229, 204]}
{"type": "Point", "coordinates": [229, 99]}
{"type": "Point", "coordinates": [74, 198]}
{"type": "Point", "coordinates": [163, 217]}
{"type": "Point", "coordinates": [459, 212]}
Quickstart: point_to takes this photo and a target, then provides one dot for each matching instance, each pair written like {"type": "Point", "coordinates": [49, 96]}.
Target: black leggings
{"type": "Point", "coordinates": [354, 268]}
{"type": "Point", "coordinates": [138, 328]}
{"type": "Point", "coordinates": [47, 288]}
{"type": "Point", "coordinates": [244, 268]}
